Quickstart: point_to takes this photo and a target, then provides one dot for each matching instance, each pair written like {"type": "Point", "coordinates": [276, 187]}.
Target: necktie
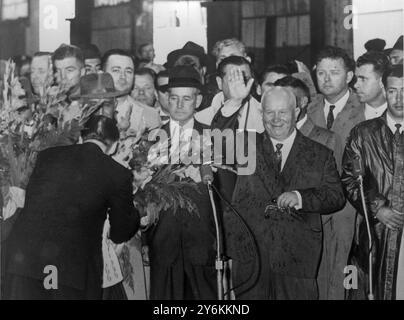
{"type": "Point", "coordinates": [278, 157]}
{"type": "Point", "coordinates": [397, 134]}
{"type": "Point", "coordinates": [330, 118]}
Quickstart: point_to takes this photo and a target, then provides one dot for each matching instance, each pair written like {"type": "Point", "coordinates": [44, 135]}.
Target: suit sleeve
{"type": "Point", "coordinates": [328, 196]}
{"type": "Point", "coordinates": [124, 219]}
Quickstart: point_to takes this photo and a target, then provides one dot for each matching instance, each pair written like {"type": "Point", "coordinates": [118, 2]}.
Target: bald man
{"type": "Point", "coordinates": [295, 182]}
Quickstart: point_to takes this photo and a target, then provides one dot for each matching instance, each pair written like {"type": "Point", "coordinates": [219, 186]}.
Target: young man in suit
{"type": "Point", "coordinates": [69, 194]}
{"type": "Point", "coordinates": [133, 116]}
{"type": "Point", "coordinates": [338, 109]}
{"type": "Point", "coordinates": [182, 254]}
{"type": "Point", "coordinates": [370, 68]}
{"type": "Point", "coordinates": [295, 182]}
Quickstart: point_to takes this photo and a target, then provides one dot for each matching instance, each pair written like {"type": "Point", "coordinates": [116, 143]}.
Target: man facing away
{"type": "Point", "coordinates": [281, 201]}
{"type": "Point", "coordinates": [67, 199]}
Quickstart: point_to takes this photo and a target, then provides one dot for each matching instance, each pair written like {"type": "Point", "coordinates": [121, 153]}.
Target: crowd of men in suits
{"type": "Point", "coordinates": [299, 219]}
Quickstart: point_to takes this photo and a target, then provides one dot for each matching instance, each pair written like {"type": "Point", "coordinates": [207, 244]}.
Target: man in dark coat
{"type": "Point", "coordinates": [182, 244]}
{"type": "Point", "coordinates": [67, 200]}
{"type": "Point", "coordinates": [379, 144]}
{"type": "Point", "coordinates": [295, 181]}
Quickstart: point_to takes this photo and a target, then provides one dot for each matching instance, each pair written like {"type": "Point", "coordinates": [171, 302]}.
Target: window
{"type": "Point", "coordinates": [102, 3]}
{"type": "Point", "coordinates": [14, 9]}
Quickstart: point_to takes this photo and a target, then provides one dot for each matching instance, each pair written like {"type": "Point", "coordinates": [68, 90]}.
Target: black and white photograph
{"type": "Point", "coordinates": [211, 152]}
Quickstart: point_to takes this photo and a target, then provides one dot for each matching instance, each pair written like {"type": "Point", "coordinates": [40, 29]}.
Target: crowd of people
{"type": "Point", "coordinates": [289, 227]}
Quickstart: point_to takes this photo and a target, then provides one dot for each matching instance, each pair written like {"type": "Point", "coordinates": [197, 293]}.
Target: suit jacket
{"type": "Point", "coordinates": [325, 137]}
{"type": "Point", "coordinates": [352, 114]}
{"type": "Point", "coordinates": [185, 234]}
{"type": "Point", "coordinates": [67, 199]}
{"type": "Point", "coordinates": [288, 244]}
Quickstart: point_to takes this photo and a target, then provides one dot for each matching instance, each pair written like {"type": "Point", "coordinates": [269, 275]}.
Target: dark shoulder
{"type": "Point", "coordinates": [368, 127]}
{"type": "Point", "coordinates": [200, 127]}
{"type": "Point", "coordinates": [312, 145]}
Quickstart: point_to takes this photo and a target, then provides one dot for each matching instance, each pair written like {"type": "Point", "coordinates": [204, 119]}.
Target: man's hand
{"type": "Point", "coordinates": [238, 89]}
{"type": "Point", "coordinates": [288, 200]}
{"type": "Point", "coordinates": [390, 219]}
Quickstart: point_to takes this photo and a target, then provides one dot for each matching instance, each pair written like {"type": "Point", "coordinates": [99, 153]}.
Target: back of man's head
{"type": "Point", "coordinates": [294, 83]}
{"type": "Point", "coordinates": [101, 128]}
{"type": "Point", "coordinates": [68, 51]}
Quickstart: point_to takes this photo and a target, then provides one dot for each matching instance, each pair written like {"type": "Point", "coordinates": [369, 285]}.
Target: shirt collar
{"type": "Point", "coordinates": [287, 141]}
{"type": "Point", "coordinates": [175, 125]}
{"type": "Point", "coordinates": [102, 146]}
{"type": "Point", "coordinates": [340, 104]}
{"type": "Point", "coordinates": [392, 124]}
{"type": "Point", "coordinates": [301, 123]}
{"type": "Point", "coordinates": [369, 110]}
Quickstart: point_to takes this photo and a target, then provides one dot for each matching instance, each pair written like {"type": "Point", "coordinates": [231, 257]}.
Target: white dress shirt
{"type": "Point", "coordinates": [392, 124]}
{"type": "Point", "coordinates": [372, 113]}
{"type": "Point", "coordinates": [339, 105]}
{"type": "Point", "coordinates": [287, 147]}
{"type": "Point", "coordinates": [179, 134]}
{"type": "Point", "coordinates": [301, 123]}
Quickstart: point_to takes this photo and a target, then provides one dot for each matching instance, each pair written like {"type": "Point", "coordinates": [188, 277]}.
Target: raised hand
{"type": "Point", "coordinates": [238, 89]}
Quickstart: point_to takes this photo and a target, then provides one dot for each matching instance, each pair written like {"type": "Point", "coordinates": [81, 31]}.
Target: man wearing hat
{"type": "Point", "coordinates": [190, 55]}
{"type": "Point", "coordinates": [182, 255]}
{"type": "Point", "coordinates": [396, 53]}
{"type": "Point", "coordinates": [54, 251]}
{"type": "Point", "coordinates": [99, 89]}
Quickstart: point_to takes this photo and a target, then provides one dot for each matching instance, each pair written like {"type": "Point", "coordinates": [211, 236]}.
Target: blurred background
{"type": "Point", "coordinates": [273, 30]}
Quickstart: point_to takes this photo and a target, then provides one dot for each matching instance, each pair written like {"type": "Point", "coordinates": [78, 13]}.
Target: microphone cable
{"type": "Point", "coordinates": [253, 241]}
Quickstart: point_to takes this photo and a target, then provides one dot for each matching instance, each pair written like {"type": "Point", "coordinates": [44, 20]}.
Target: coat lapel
{"type": "Point", "coordinates": [293, 160]}
{"type": "Point", "coordinates": [353, 112]}
{"type": "Point", "coordinates": [307, 127]}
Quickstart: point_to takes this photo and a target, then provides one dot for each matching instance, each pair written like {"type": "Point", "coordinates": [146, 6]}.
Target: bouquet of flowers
{"type": "Point", "coordinates": [26, 129]}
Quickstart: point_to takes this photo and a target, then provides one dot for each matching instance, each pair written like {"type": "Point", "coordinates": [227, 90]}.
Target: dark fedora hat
{"type": "Point", "coordinates": [184, 77]}
{"type": "Point", "coordinates": [190, 49]}
{"type": "Point", "coordinates": [397, 46]}
{"type": "Point", "coordinates": [98, 86]}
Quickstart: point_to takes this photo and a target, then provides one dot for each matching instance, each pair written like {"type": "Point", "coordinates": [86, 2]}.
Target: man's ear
{"type": "Point", "coordinates": [297, 112]}
{"type": "Point", "coordinates": [83, 72]}
{"type": "Point", "coordinates": [248, 58]}
{"type": "Point", "coordinates": [350, 76]}
{"type": "Point", "coordinates": [219, 82]}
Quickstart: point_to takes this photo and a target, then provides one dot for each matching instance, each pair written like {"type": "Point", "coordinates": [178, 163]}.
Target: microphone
{"type": "Point", "coordinates": [206, 174]}
{"type": "Point", "coordinates": [357, 170]}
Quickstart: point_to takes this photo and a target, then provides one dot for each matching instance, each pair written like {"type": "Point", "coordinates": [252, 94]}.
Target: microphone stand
{"type": "Point", "coordinates": [365, 213]}
{"type": "Point", "coordinates": [219, 253]}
